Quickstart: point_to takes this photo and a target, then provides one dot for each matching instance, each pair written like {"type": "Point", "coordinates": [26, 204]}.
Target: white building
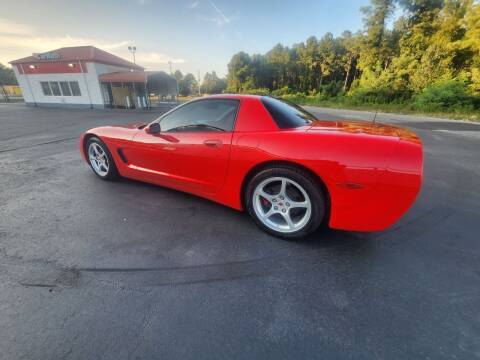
{"type": "Point", "coordinates": [85, 76]}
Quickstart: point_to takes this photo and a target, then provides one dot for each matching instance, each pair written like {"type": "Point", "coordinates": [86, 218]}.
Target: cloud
{"type": "Point", "coordinates": [12, 28]}
{"type": "Point", "coordinates": [194, 4]}
{"type": "Point", "coordinates": [19, 40]}
{"type": "Point", "coordinates": [218, 17]}
{"type": "Point", "coordinates": [222, 17]}
{"type": "Point", "coordinates": [46, 43]}
{"type": "Point", "coordinates": [154, 58]}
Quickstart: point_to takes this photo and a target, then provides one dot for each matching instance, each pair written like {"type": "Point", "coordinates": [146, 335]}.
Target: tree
{"type": "Point", "coordinates": [261, 72]}
{"type": "Point", "coordinates": [432, 47]}
{"type": "Point", "coordinates": [188, 85]}
{"type": "Point", "coordinates": [375, 44]}
{"type": "Point", "coordinates": [311, 60]}
{"type": "Point", "coordinates": [239, 73]}
{"type": "Point", "coordinates": [471, 44]}
{"type": "Point", "coordinates": [178, 75]}
{"type": "Point", "coordinates": [420, 10]}
{"type": "Point", "coordinates": [326, 53]}
{"type": "Point", "coordinates": [278, 59]}
{"type": "Point", "coordinates": [7, 76]}
{"type": "Point", "coordinates": [425, 48]}
{"type": "Point", "coordinates": [351, 51]}
{"type": "Point", "coordinates": [212, 84]}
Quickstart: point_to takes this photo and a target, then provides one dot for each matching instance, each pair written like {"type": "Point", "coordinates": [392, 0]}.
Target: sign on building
{"type": "Point", "coordinates": [52, 55]}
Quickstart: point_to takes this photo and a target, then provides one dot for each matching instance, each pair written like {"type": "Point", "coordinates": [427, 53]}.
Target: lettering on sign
{"type": "Point", "coordinates": [52, 55]}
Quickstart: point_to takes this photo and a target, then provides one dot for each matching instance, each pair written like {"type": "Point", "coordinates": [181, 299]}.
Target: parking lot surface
{"type": "Point", "coordinates": [126, 270]}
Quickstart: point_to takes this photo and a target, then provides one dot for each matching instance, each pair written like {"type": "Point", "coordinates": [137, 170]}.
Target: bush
{"type": "Point", "coordinates": [446, 95]}
{"type": "Point", "coordinates": [372, 96]}
{"type": "Point", "coordinates": [282, 91]}
{"type": "Point", "coordinates": [331, 90]}
{"type": "Point", "coordinates": [297, 98]}
{"type": "Point", "coordinates": [259, 91]}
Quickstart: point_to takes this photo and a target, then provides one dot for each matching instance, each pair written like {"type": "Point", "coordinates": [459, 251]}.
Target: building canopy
{"type": "Point", "coordinates": [157, 82]}
{"type": "Point", "coordinates": [124, 76]}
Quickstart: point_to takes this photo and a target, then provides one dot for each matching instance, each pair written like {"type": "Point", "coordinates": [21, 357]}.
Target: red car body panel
{"type": "Point", "coordinates": [371, 172]}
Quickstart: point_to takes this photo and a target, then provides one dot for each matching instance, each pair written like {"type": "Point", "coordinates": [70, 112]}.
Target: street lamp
{"type": "Point", "coordinates": [133, 49]}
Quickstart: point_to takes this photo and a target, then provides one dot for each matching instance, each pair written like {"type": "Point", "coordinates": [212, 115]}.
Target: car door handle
{"type": "Point", "coordinates": [213, 143]}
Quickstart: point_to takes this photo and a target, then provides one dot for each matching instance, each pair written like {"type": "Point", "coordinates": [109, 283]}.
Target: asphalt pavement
{"type": "Point", "coordinates": [126, 270]}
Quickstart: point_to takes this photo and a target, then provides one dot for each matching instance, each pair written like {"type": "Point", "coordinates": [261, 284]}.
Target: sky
{"type": "Point", "coordinates": [195, 35]}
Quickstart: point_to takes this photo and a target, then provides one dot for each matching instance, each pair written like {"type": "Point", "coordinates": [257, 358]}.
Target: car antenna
{"type": "Point", "coordinates": [375, 117]}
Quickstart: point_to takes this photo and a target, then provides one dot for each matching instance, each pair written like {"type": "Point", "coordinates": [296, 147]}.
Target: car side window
{"type": "Point", "coordinates": [202, 116]}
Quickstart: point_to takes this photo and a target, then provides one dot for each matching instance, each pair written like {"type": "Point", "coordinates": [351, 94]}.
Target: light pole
{"type": "Point", "coordinates": [133, 49]}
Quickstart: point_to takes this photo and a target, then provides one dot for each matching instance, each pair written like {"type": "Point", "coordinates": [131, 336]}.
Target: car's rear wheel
{"type": "Point", "coordinates": [100, 159]}
{"type": "Point", "coordinates": [286, 202]}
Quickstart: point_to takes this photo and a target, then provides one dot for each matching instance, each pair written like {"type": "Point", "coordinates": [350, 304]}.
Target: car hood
{"type": "Point", "coordinates": [364, 127]}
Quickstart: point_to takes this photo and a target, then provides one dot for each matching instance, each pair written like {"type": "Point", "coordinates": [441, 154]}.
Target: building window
{"type": "Point", "coordinates": [55, 88]}
{"type": "Point", "coordinates": [65, 88]}
{"type": "Point", "coordinates": [46, 88]}
{"type": "Point", "coordinates": [75, 88]}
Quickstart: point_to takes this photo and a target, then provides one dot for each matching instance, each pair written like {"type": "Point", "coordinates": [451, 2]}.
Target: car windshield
{"type": "Point", "coordinates": [286, 114]}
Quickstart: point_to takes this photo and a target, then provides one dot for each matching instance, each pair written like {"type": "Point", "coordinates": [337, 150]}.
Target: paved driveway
{"type": "Point", "coordinates": [125, 270]}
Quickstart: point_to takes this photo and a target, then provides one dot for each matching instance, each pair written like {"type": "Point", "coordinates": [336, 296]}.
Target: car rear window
{"type": "Point", "coordinates": [287, 115]}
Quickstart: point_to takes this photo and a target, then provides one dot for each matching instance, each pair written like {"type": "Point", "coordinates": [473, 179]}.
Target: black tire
{"type": "Point", "coordinates": [309, 184]}
{"type": "Point", "coordinates": [112, 172]}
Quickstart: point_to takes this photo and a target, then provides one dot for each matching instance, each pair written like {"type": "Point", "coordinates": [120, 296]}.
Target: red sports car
{"type": "Point", "coordinates": [290, 171]}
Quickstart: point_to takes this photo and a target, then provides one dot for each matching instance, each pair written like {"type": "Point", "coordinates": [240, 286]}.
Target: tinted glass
{"type": "Point", "coordinates": [55, 88]}
{"type": "Point", "coordinates": [65, 88]}
{"type": "Point", "coordinates": [202, 115]}
{"type": "Point", "coordinates": [46, 88]}
{"type": "Point", "coordinates": [286, 114]}
{"type": "Point", "coordinates": [75, 88]}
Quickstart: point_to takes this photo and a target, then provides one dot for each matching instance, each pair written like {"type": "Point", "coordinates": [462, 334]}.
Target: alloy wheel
{"type": "Point", "coordinates": [282, 204]}
{"type": "Point", "coordinates": [98, 159]}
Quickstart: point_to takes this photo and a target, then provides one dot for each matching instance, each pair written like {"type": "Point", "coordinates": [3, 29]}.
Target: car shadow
{"type": "Point", "coordinates": [200, 241]}
{"type": "Point", "coordinates": [322, 238]}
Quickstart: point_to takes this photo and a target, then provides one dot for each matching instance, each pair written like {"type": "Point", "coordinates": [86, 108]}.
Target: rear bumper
{"type": "Point", "coordinates": [377, 207]}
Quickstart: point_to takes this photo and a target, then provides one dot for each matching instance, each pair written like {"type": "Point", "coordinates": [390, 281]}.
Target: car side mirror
{"type": "Point", "coordinates": [154, 128]}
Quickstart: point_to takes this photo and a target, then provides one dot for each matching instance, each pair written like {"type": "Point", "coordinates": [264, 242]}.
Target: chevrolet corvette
{"type": "Point", "coordinates": [290, 171]}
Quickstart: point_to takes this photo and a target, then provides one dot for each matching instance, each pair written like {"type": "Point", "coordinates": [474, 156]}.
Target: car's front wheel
{"type": "Point", "coordinates": [100, 159]}
{"type": "Point", "coordinates": [286, 202]}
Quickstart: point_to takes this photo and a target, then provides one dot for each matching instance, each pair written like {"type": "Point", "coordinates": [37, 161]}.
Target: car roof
{"type": "Point", "coordinates": [233, 96]}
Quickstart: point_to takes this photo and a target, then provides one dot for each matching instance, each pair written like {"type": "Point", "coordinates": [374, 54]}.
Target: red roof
{"type": "Point", "coordinates": [124, 76]}
{"type": "Point", "coordinates": [77, 53]}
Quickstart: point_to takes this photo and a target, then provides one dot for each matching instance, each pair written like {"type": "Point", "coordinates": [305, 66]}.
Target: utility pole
{"type": "Point", "coordinates": [133, 49]}
{"type": "Point", "coordinates": [170, 64]}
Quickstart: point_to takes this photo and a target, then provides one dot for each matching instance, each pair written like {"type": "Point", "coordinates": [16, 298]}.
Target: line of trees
{"type": "Point", "coordinates": [188, 84]}
{"type": "Point", "coordinates": [430, 54]}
